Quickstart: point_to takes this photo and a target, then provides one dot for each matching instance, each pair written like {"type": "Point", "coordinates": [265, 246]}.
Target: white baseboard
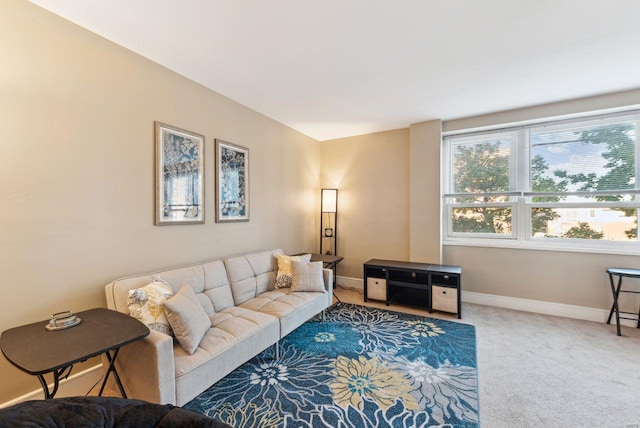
{"type": "Point", "coordinates": [348, 282]}
{"type": "Point", "coordinates": [75, 385]}
{"type": "Point", "coordinates": [541, 307]}
{"type": "Point", "coordinates": [526, 305]}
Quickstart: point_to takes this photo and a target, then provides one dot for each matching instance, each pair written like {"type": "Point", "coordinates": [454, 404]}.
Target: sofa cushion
{"type": "Point", "coordinates": [243, 322]}
{"type": "Point", "coordinates": [278, 302]}
{"type": "Point", "coordinates": [251, 274]}
{"type": "Point", "coordinates": [284, 276]}
{"type": "Point", "coordinates": [264, 266]}
{"type": "Point", "coordinates": [192, 275]}
{"type": "Point", "coordinates": [215, 358]}
{"type": "Point", "coordinates": [187, 318]}
{"type": "Point", "coordinates": [263, 262]}
{"type": "Point", "coordinates": [292, 308]}
{"type": "Point", "coordinates": [147, 305]}
{"type": "Point", "coordinates": [216, 287]}
{"type": "Point", "coordinates": [228, 327]}
{"type": "Point", "coordinates": [307, 276]}
{"type": "Point", "coordinates": [265, 282]}
{"type": "Point", "coordinates": [241, 278]}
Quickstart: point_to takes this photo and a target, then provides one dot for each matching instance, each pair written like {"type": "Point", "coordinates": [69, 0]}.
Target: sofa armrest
{"type": "Point", "coordinates": [327, 275]}
{"type": "Point", "coordinates": [147, 369]}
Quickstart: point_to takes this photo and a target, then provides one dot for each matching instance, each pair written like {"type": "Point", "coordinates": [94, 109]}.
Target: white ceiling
{"type": "Point", "coordinates": [335, 68]}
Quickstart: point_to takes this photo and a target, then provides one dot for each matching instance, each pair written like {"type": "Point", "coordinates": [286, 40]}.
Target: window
{"type": "Point", "coordinates": [566, 183]}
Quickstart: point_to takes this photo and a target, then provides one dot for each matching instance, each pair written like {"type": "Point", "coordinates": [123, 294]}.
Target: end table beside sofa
{"type": "Point", "coordinates": [37, 351]}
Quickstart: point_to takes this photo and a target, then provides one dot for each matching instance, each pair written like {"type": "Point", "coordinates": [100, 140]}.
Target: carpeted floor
{"type": "Point", "coordinates": [363, 367]}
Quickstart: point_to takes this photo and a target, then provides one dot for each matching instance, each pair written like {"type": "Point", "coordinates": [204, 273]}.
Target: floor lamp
{"type": "Point", "coordinates": [328, 221]}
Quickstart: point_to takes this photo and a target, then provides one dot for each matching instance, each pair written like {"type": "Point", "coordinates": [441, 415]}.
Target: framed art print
{"type": "Point", "coordinates": [232, 176]}
{"type": "Point", "coordinates": [179, 176]}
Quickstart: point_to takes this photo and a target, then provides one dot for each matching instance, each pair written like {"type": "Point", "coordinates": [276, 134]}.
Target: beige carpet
{"type": "Point", "coordinates": [543, 371]}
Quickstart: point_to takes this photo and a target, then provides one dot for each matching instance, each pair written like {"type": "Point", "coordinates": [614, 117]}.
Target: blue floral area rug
{"type": "Point", "coordinates": [362, 367]}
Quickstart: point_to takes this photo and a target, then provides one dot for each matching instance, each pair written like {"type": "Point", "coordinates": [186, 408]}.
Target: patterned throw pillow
{"type": "Point", "coordinates": [284, 276]}
{"type": "Point", "coordinates": [147, 305]}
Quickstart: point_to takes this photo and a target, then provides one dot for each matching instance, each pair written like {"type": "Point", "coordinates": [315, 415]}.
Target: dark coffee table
{"type": "Point", "coordinates": [37, 351]}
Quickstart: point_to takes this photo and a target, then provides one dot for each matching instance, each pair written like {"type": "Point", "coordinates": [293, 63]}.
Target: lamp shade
{"type": "Point", "coordinates": [329, 200]}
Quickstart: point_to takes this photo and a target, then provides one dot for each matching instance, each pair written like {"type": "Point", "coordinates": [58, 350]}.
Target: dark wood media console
{"type": "Point", "coordinates": [426, 286]}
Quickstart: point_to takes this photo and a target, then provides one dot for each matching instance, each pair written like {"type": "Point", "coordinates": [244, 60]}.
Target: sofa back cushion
{"type": "Point", "coordinates": [216, 287]}
{"type": "Point", "coordinates": [176, 278]}
{"type": "Point", "coordinates": [252, 274]}
{"type": "Point", "coordinates": [209, 282]}
{"type": "Point", "coordinates": [218, 284]}
{"type": "Point", "coordinates": [265, 268]}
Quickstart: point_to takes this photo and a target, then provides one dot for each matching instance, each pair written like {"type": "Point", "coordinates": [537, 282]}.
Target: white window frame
{"type": "Point", "coordinates": [520, 199]}
{"type": "Point", "coordinates": [512, 184]}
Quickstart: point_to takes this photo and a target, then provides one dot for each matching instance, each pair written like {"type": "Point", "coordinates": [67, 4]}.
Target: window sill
{"type": "Point", "coordinates": [625, 249]}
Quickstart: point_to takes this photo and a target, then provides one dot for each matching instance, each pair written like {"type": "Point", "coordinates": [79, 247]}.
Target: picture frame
{"type": "Point", "coordinates": [179, 176]}
{"type": "Point", "coordinates": [232, 182]}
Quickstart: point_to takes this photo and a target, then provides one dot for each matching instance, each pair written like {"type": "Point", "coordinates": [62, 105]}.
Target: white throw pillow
{"type": "Point", "coordinates": [283, 278]}
{"type": "Point", "coordinates": [307, 276]}
{"type": "Point", "coordinates": [187, 318]}
{"type": "Point", "coordinates": [147, 305]}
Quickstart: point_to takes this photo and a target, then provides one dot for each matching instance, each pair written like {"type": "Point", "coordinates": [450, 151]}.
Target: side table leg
{"type": "Point", "coordinates": [45, 387]}
{"type": "Point", "coordinates": [614, 308]}
{"type": "Point", "coordinates": [112, 368]}
{"type": "Point", "coordinates": [58, 374]}
{"type": "Point", "coordinates": [613, 293]}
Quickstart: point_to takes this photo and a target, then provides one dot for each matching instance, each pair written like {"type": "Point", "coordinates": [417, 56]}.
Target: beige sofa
{"type": "Point", "coordinates": [247, 316]}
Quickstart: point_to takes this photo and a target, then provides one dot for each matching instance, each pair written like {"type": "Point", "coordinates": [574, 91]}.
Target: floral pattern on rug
{"type": "Point", "coordinates": [362, 367]}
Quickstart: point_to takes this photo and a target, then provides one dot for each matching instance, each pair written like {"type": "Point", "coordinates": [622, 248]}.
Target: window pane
{"type": "Point", "coordinates": [580, 157]}
{"type": "Point", "coordinates": [481, 220]}
{"type": "Point", "coordinates": [482, 165]}
{"type": "Point", "coordinates": [611, 224]}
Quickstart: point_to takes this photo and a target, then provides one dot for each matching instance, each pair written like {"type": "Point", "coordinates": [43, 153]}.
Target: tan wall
{"type": "Point", "coordinates": [425, 213]}
{"type": "Point", "coordinates": [551, 276]}
{"type": "Point", "coordinates": [587, 105]}
{"type": "Point", "coordinates": [76, 171]}
{"type": "Point", "coordinates": [372, 175]}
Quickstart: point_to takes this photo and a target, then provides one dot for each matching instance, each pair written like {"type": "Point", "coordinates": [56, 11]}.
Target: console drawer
{"type": "Point", "coordinates": [444, 299]}
{"type": "Point", "coordinates": [444, 279]}
{"type": "Point", "coordinates": [376, 288]}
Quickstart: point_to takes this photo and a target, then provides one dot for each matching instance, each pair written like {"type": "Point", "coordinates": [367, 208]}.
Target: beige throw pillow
{"type": "Point", "coordinates": [307, 276]}
{"type": "Point", "coordinates": [147, 305]}
{"type": "Point", "coordinates": [283, 278]}
{"type": "Point", "coordinates": [188, 319]}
